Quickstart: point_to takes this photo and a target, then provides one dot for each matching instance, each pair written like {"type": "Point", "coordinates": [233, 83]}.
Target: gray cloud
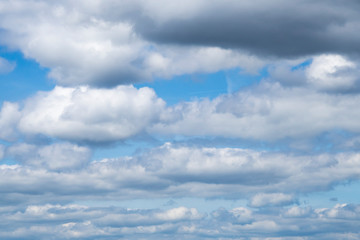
{"type": "Point", "coordinates": [276, 28]}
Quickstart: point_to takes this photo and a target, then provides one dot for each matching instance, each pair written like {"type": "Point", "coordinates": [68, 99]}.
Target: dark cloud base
{"type": "Point", "coordinates": [280, 28]}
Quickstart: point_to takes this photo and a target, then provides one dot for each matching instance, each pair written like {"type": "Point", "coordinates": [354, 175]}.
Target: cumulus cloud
{"type": "Point", "coordinates": [84, 43]}
{"type": "Point", "coordinates": [269, 111]}
{"type": "Point", "coordinates": [142, 40]}
{"type": "Point", "coordinates": [89, 114]}
{"type": "Point", "coordinates": [333, 72]}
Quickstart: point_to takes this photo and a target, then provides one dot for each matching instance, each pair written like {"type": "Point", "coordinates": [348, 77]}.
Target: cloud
{"type": "Point", "coordinates": [2, 148]}
{"type": "Point", "coordinates": [280, 28]}
{"type": "Point", "coordinates": [332, 72]}
{"type": "Point", "coordinates": [268, 111]}
{"type": "Point", "coordinates": [271, 111]}
{"type": "Point", "coordinates": [9, 116]}
{"type": "Point", "coordinates": [79, 221]}
{"type": "Point", "coordinates": [84, 43]}
{"type": "Point", "coordinates": [272, 199]}
{"type": "Point", "coordinates": [58, 156]}
{"type": "Point", "coordinates": [89, 114]}
{"type": "Point", "coordinates": [6, 66]}
{"type": "Point", "coordinates": [268, 179]}
{"type": "Point", "coordinates": [93, 44]}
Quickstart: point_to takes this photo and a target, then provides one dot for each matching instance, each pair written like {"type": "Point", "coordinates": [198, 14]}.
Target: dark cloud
{"type": "Point", "coordinates": [279, 28]}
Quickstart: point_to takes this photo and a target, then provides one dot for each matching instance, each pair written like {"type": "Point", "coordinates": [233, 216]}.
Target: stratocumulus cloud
{"type": "Point", "coordinates": [269, 178]}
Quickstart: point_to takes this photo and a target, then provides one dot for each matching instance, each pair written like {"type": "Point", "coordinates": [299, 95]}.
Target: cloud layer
{"type": "Point", "coordinates": [62, 172]}
{"type": "Point", "coordinates": [82, 222]}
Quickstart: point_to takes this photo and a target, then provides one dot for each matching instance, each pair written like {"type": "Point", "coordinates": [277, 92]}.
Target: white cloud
{"type": "Point", "coordinates": [272, 199]}
{"type": "Point", "coordinates": [87, 43]}
{"type": "Point", "coordinates": [79, 221]}
{"type": "Point", "coordinates": [6, 66]}
{"type": "Point", "coordinates": [58, 156]}
{"type": "Point", "coordinates": [168, 62]}
{"type": "Point", "coordinates": [9, 116]}
{"type": "Point", "coordinates": [332, 72]}
{"type": "Point", "coordinates": [265, 112]}
{"type": "Point", "coordinates": [172, 171]}
{"type": "Point", "coordinates": [88, 114]}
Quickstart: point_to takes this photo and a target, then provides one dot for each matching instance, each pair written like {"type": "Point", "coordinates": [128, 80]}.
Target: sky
{"type": "Point", "coordinates": [198, 119]}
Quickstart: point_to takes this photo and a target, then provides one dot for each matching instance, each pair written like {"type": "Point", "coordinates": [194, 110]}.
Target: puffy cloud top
{"type": "Point", "coordinates": [88, 114]}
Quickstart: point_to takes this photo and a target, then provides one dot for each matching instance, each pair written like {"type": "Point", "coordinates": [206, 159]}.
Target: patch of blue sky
{"type": "Point", "coordinates": [348, 192]}
{"type": "Point", "coordinates": [302, 65]}
{"type": "Point", "coordinates": [197, 86]}
{"type": "Point", "coordinates": [123, 148]}
{"type": "Point", "coordinates": [27, 78]}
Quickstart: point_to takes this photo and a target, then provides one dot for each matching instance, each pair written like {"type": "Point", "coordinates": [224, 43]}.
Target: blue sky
{"type": "Point", "coordinates": [179, 120]}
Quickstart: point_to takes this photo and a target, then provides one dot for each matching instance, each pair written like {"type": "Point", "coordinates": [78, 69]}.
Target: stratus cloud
{"type": "Point", "coordinates": [268, 179]}
{"type": "Point", "coordinates": [88, 114]}
{"type": "Point", "coordinates": [78, 221]}
{"type": "Point", "coordinates": [84, 43]}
